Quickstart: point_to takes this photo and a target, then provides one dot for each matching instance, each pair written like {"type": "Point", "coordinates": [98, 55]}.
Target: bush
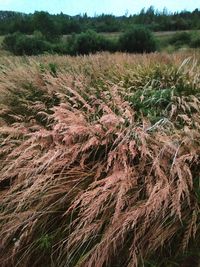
{"type": "Point", "coordinates": [137, 40]}
{"type": "Point", "coordinates": [9, 42]}
{"type": "Point", "coordinates": [195, 42]}
{"type": "Point", "coordinates": [180, 38]}
{"type": "Point", "coordinates": [84, 43]}
{"type": "Point", "coordinates": [20, 44]}
{"type": "Point", "coordinates": [90, 42]}
{"type": "Point", "coordinates": [31, 46]}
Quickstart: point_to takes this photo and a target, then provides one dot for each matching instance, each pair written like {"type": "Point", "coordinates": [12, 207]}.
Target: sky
{"type": "Point", "coordinates": [96, 7]}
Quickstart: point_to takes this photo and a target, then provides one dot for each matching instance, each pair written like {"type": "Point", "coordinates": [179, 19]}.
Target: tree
{"type": "Point", "coordinates": [137, 39]}
{"type": "Point", "coordinates": [180, 38]}
{"type": "Point", "coordinates": [43, 22]}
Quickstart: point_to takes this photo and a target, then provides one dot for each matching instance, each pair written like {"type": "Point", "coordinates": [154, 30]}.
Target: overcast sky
{"type": "Point", "coordinates": [92, 7]}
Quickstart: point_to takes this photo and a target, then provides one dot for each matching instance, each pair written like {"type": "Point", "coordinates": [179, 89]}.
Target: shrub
{"type": "Point", "coordinates": [9, 41]}
{"type": "Point", "coordinates": [110, 45]}
{"type": "Point", "coordinates": [87, 42]}
{"type": "Point", "coordinates": [180, 38]}
{"type": "Point", "coordinates": [91, 42]}
{"type": "Point", "coordinates": [195, 42]}
{"type": "Point", "coordinates": [137, 39]}
{"type": "Point", "coordinates": [60, 48]}
{"type": "Point", "coordinates": [20, 44]}
{"type": "Point", "coordinates": [39, 35]}
{"type": "Point", "coordinates": [31, 46]}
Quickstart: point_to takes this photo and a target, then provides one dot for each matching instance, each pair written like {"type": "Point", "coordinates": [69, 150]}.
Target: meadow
{"type": "Point", "coordinates": [100, 160]}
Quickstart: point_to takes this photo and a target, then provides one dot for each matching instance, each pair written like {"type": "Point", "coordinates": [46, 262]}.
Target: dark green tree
{"type": "Point", "coordinates": [137, 39]}
{"type": "Point", "coordinates": [43, 22]}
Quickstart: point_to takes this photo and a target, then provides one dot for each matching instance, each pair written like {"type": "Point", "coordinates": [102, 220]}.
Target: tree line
{"type": "Point", "coordinates": [153, 19]}
{"type": "Point", "coordinates": [41, 32]}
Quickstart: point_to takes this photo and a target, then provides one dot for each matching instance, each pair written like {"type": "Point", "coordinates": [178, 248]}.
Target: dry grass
{"type": "Point", "coordinates": [99, 160]}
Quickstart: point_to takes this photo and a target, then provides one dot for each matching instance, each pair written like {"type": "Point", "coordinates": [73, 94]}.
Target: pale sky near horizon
{"type": "Point", "coordinates": [97, 7]}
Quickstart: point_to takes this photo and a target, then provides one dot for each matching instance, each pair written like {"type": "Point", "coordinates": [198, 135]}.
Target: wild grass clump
{"type": "Point", "coordinates": [100, 161]}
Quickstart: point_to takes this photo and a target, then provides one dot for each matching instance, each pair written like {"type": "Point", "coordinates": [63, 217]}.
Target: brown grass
{"type": "Point", "coordinates": [96, 168]}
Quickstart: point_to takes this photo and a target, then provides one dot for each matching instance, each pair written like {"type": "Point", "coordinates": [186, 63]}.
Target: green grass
{"type": "Point", "coordinates": [1, 39]}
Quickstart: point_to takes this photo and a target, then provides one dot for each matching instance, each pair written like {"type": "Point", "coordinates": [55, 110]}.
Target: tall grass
{"type": "Point", "coordinates": [100, 160]}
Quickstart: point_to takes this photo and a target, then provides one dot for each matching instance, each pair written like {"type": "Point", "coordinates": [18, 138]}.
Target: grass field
{"type": "Point", "coordinates": [161, 37]}
{"type": "Point", "coordinates": [1, 39]}
{"type": "Point", "coordinates": [115, 35]}
{"type": "Point", "coordinates": [100, 160]}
